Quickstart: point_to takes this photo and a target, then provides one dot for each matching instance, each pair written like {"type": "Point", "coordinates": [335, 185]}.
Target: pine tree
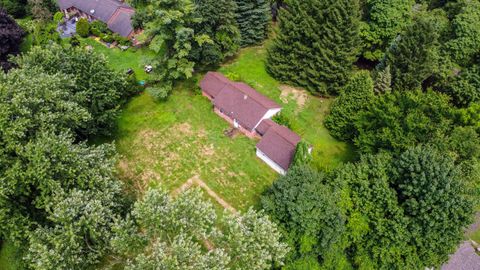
{"type": "Point", "coordinates": [253, 18]}
{"type": "Point", "coordinates": [316, 44]}
{"type": "Point", "coordinates": [383, 81]}
{"type": "Point", "coordinates": [218, 22]}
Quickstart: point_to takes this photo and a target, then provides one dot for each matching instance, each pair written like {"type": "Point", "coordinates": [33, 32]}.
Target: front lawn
{"type": "Point", "coordinates": [133, 58]}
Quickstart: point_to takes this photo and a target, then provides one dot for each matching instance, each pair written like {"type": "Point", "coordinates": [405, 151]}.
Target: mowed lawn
{"type": "Point", "coordinates": [133, 58]}
{"type": "Point", "coordinates": [173, 141]}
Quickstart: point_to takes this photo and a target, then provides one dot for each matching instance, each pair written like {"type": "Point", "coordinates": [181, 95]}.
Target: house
{"type": "Point", "coordinates": [277, 146]}
{"type": "Point", "coordinates": [251, 112]}
{"type": "Point", "coordinates": [116, 14]}
{"type": "Point", "coordinates": [238, 103]}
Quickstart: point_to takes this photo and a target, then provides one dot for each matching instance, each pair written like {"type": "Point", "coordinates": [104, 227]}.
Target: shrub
{"type": "Point", "coordinates": [107, 38]}
{"type": "Point", "coordinates": [58, 17]}
{"type": "Point", "coordinates": [74, 41]}
{"type": "Point", "coordinates": [233, 76]}
{"type": "Point", "coordinates": [83, 27]}
{"type": "Point", "coordinates": [281, 119]}
{"type": "Point", "coordinates": [121, 40]}
{"type": "Point", "coordinates": [100, 27]}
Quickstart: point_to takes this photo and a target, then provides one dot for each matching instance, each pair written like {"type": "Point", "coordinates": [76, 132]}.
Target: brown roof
{"type": "Point", "coordinates": [213, 82]}
{"type": "Point", "coordinates": [264, 126]}
{"type": "Point", "coordinates": [117, 15]}
{"type": "Point", "coordinates": [278, 143]}
{"type": "Point", "coordinates": [237, 100]}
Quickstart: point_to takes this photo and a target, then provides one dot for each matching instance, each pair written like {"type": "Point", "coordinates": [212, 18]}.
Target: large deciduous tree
{"type": "Point", "coordinates": [307, 210]}
{"type": "Point", "coordinates": [385, 20]}
{"type": "Point", "coordinates": [316, 44]}
{"type": "Point", "coordinates": [92, 83]}
{"type": "Point", "coordinates": [11, 36]}
{"type": "Point", "coordinates": [186, 233]}
{"type": "Point", "coordinates": [253, 17]}
{"type": "Point", "coordinates": [218, 22]}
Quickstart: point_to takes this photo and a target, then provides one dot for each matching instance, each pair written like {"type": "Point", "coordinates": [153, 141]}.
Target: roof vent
{"type": "Point", "coordinates": [245, 97]}
{"type": "Point", "coordinates": [92, 11]}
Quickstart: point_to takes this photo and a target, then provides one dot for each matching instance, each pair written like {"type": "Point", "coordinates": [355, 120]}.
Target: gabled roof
{"type": "Point", "coordinates": [117, 15]}
{"type": "Point", "coordinates": [278, 143]}
{"type": "Point", "coordinates": [237, 100]}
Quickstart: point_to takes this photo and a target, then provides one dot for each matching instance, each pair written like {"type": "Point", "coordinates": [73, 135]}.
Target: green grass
{"type": "Point", "coordinates": [132, 58]}
{"type": "Point", "coordinates": [170, 142]}
{"type": "Point", "coordinates": [9, 257]}
{"type": "Point", "coordinates": [306, 120]}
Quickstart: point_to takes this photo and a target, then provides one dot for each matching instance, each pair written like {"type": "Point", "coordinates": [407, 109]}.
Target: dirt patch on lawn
{"type": "Point", "coordinates": [299, 95]}
{"type": "Point", "coordinates": [184, 128]}
{"type": "Point", "coordinates": [198, 182]}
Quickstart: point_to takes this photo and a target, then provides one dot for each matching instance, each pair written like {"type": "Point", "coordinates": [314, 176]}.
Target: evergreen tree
{"type": "Point", "coordinates": [383, 81]}
{"type": "Point", "coordinates": [218, 22]}
{"type": "Point", "coordinates": [316, 44]}
{"type": "Point", "coordinates": [253, 17]}
{"type": "Point", "coordinates": [414, 56]}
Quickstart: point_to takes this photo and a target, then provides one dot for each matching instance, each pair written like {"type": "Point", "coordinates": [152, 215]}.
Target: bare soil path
{"type": "Point", "coordinates": [198, 182]}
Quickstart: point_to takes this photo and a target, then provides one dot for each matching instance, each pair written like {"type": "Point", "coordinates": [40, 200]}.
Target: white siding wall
{"type": "Point", "coordinates": [270, 113]}
{"type": "Point", "coordinates": [270, 162]}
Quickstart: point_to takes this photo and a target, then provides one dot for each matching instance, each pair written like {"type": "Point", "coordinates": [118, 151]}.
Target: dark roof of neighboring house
{"type": "Point", "coordinates": [464, 258]}
{"type": "Point", "coordinates": [237, 100]}
{"type": "Point", "coordinates": [278, 143]}
{"type": "Point", "coordinates": [117, 15]}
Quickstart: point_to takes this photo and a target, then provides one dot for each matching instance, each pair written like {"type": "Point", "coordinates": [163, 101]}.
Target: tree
{"type": "Point", "coordinates": [414, 55]}
{"type": "Point", "coordinates": [464, 88]}
{"type": "Point", "coordinates": [433, 198]}
{"type": "Point", "coordinates": [83, 28]}
{"type": "Point", "coordinates": [218, 22]}
{"type": "Point", "coordinates": [302, 154]}
{"type": "Point", "coordinates": [383, 81]}
{"type": "Point", "coordinates": [173, 38]}
{"type": "Point", "coordinates": [307, 210]}
{"type": "Point", "coordinates": [465, 44]}
{"type": "Point", "coordinates": [42, 9]}
{"type": "Point", "coordinates": [253, 18]}
{"type": "Point", "coordinates": [385, 20]}
{"type": "Point", "coordinates": [316, 44]}
{"type": "Point", "coordinates": [396, 121]}
{"type": "Point", "coordinates": [16, 8]}
{"type": "Point", "coordinates": [355, 97]}
{"type": "Point", "coordinates": [11, 36]}
{"type": "Point", "coordinates": [184, 233]}
{"type": "Point", "coordinates": [94, 85]}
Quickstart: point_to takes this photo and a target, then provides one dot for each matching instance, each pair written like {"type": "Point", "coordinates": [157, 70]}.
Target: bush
{"type": "Point", "coordinates": [58, 17]}
{"type": "Point", "coordinates": [95, 32]}
{"type": "Point", "coordinates": [83, 27]}
{"type": "Point", "coordinates": [121, 40]}
{"type": "Point", "coordinates": [107, 38]}
{"type": "Point", "coordinates": [281, 119]}
{"type": "Point", "coordinates": [74, 41]}
{"type": "Point", "coordinates": [100, 26]}
{"type": "Point", "coordinates": [233, 76]}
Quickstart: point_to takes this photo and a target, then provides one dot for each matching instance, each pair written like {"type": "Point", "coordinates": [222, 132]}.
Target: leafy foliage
{"type": "Point", "coordinates": [16, 8]}
{"type": "Point", "coordinates": [414, 56]}
{"type": "Point", "coordinates": [385, 20]}
{"type": "Point", "coordinates": [396, 121]}
{"type": "Point", "coordinates": [307, 210]}
{"type": "Point", "coordinates": [183, 233]}
{"type": "Point", "coordinates": [321, 60]}
{"type": "Point", "coordinates": [253, 18]}
{"type": "Point", "coordinates": [83, 27]}
{"type": "Point", "coordinates": [302, 155]}
{"type": "Point", "coordinates": [11, 36]}
{"type": "Point", "coordinates": [383, 81]}
{"type": "Point", "coordinates": [93, 84]}
{"type": "Point", "coordinates": [218, 22]}
{"type": "Point", "coordinates": [356, 96]}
